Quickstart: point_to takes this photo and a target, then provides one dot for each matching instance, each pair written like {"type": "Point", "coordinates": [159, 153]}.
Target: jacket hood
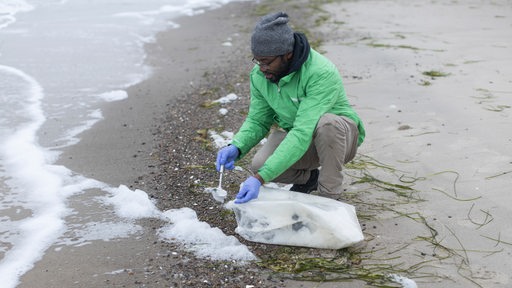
{"type": "Point", "coordinates": [300, 52]}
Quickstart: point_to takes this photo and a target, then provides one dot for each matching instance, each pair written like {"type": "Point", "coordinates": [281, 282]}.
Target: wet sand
{"type": "Point", "coordinates": [119, 151]}
{"type": "Point", "coordinates": [432, 82]}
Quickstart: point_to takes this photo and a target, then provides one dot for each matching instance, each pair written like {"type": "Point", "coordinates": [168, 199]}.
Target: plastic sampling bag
{"type": "Point", "coordinates": [289, 218]}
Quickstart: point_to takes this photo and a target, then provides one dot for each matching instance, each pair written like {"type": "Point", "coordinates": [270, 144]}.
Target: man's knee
{"type": "Point", "coordinates": [338, 133]}
{"type": "Point", "coordinates": [327, 118]}
{"type": "Point", "coordinates": [328, 126]}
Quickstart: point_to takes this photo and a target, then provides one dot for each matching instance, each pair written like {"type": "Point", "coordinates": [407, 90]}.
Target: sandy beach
{"type": "Point", "coordinates": [430, 80]}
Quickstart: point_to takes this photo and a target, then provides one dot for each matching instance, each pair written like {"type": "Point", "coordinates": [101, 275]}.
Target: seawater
{"type": "Point", "coordinates": [60, 61]}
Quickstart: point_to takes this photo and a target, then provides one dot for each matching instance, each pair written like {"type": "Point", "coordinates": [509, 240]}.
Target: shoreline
{"type": "Point", "coordinates": [120, 150]}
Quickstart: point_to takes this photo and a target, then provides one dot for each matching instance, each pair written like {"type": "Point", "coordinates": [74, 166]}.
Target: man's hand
{"type": "Point", "coordinates": [227, 156]}
{"type": "Point", "coordinates": [250, 190]}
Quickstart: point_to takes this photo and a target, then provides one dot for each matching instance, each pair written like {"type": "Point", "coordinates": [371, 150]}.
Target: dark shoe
{"type": "Point", "coordinates": [309, 186]}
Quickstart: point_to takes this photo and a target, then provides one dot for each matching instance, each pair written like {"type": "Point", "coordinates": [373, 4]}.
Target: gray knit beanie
{"type": "Point", "coordinates": [272, 36]}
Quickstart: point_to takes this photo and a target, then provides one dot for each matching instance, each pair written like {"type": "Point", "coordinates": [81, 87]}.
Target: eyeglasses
{"type": "Point", "coordinates": [261, 64]}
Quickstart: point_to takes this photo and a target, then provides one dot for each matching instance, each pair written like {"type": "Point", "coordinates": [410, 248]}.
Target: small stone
{"type": "Point", "coordinates": [404, 127]}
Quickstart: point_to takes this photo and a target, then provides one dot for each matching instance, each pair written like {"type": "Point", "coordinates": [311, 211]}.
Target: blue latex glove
{"type": "Point", "coordinates": [227, 156]}
{"type": "Point", "coordinates": [250, 190]}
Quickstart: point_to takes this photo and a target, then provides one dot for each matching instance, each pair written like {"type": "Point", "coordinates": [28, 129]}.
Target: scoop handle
{"type": "Point", "coordinates": [221, 173]}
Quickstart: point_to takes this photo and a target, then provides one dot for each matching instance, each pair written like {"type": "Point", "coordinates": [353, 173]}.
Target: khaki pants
{"type": "Point", "coordinates": [334, 144]}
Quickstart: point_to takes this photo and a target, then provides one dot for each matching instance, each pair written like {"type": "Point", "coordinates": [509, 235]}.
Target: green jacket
{"type": "Point", "coordinates": [295, 104]}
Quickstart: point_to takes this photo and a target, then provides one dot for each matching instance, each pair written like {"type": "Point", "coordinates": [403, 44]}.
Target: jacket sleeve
{"type": "Point", "coordinates": [257, 123]}
{"type": "Point", "coordinates": [321, 91]}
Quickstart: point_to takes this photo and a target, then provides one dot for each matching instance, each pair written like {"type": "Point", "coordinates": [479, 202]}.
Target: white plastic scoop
{"type": "Point", "coordinates": [218, 193]}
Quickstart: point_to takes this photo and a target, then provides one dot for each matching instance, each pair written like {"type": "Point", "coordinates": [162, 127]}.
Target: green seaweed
{"type": "Point", "coordinates": [498, 175]}
{"type": "Point", "coordinates": [487, 220]}
{"type": "Point", "coordinates": [498, 240]}
{"type": "Point", "coordinates": [380, 45]}
{"type": "Point", "coordinates": [346, 265]}
{"type": "Point", "coordinates": [497, 108]}
{"type": "Point", "coordinates": [435, 74]}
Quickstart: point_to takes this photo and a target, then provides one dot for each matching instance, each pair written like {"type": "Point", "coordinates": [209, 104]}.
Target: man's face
{"type": "Point", "coordinates": [273, 67]}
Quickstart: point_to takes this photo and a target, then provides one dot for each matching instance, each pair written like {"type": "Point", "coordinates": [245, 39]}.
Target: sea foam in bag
{"type": "Point", "coordinates": [289, 218]}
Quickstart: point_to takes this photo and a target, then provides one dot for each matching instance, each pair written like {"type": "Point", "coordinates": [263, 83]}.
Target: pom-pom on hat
{"type": "Point", "coordinates": [272, 36]}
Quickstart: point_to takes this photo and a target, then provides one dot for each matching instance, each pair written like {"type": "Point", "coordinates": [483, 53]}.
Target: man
{"type": "Point", "coordinates": [301, 91]}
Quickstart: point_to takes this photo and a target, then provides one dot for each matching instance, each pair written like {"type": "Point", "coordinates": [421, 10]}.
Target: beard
{"type": "Point", "coordinates": [275, 75]}
{"type": "Point", "coordinates": [272, 76]}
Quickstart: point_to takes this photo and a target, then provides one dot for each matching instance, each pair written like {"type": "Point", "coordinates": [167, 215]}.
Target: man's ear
{"type": "Point", "coordinates": [288, 56]}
